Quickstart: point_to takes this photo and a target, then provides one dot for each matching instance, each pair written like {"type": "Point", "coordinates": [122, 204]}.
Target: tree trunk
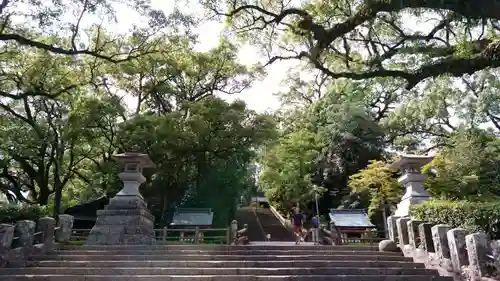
{"type": "Point", "coordinates": [57, 180]}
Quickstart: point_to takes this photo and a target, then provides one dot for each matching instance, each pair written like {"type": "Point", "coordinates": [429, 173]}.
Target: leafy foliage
{"type": "Point", "coordinates": [287, 167]}
{"type": "Point", "coordinates": [371, 39]}
{"type": "Point", "coordinates": [473, 216]}
{"type": "Point", "coordinates": [466, 168]}
{"type": "Point", "coordinates": [11, 213]}
{"type": "Point", "coordinates": [379, 183]}
{"type": "Point", "coordinates": [203, 159]}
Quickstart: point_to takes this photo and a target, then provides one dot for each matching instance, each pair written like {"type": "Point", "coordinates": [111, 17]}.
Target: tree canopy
{"type": "Point", "coordinates": [368, 39]}
{"type": "Point", "coordinates": [371, 79]}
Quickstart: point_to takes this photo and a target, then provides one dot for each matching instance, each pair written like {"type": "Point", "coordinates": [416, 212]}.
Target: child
{"type": "Point", "coordinates": [315, 230]}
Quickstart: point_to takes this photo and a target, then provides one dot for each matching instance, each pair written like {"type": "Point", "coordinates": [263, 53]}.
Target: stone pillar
{"type": "Point", "coordinates": [126, 220]}
{"type": "Point", "coordinates": [65, 224]}
{"type": "Point", "coordinates": [6, 235]}
{"type": "Point", "coordinates": [234, 231]}
{"type": "Point", "coordinates": [47, 226]}
{"type": "Point", "coordinates": [425, 234]}
{"type": "Point", "coordinates": [393, 228]}
{"type": "Point", "coordinates": [413, 233]}
{"type": "Point", "coordinates": [25, 230]}
{"type": "Point", "coordinates": [458, 249]}
{"type": "Point", "coordinates": [478, 248]}
{"type": "Point", "coordinates": [440, 238]}
{"type": "Point", "coordinates": [413, 180]}
{"type": "Point", "coordinates": [402, 224]}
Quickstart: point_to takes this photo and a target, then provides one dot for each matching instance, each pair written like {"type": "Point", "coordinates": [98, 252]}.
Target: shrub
{"type": "Point", "coordinates": [15, 212]}
{"type": "Point", "coordinates": [473, 216]}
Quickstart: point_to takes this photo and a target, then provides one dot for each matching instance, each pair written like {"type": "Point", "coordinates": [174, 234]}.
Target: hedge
{"type": "Point", "coordinates": [15, 212]}
{"type": "Point", "coordinates": [473, 216]}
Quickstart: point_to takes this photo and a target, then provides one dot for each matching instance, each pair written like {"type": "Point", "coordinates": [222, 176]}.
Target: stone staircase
{"type": "Point", "coordinates": [221, 263]}
{"type": "Point", "coordinates": [246, 216]}
{"type": "Point", "coordinates": [272, 225]}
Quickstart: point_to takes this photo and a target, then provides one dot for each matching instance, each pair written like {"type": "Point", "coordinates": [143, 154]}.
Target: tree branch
{"type": "Point", "coordinates": [368, 11]}
{"type": "Point", "coordinates": [58, 50]}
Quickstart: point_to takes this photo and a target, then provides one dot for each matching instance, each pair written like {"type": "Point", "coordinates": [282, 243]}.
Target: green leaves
{"type": "Point", "coordinates": [473, 216]}
{"type": "Point", "coordinates": [203, 154]}
{"type": "Point", "coordinates": [377, 181]}
{"type": "Point", "coordinates": [287, 166]}
{"type": "Point", "coordinates": [467, 168]}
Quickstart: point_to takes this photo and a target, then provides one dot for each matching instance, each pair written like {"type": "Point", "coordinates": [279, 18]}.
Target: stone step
{"type": "Point", "coordinates": [224, 252]}
{"type": "Point", "coordinates": [58, 277]}
{"type": "Point", "coordinates": [230, 264]}
{"type": "Point", "coordinates": [164, 257]}
{"type": "Point", "coordinates": [216, 271]}
{"type": "Point", "coordinates": [291, 246]}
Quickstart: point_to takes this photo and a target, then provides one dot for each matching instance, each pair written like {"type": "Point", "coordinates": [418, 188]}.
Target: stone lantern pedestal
{"type": "Point", "coordinates": [413, 180]}
{"type": "Point", "coordinates": [126, 220]}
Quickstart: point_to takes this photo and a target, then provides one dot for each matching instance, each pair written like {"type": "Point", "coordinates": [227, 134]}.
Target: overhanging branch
{"type": "Point", "coordinates": [114, 58]}
{"type": "Point", "coordinates": [367, 11]}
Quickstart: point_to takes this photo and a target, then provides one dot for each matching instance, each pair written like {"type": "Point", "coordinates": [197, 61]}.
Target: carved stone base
{"type": "Point", "coordinates": [126, 220]}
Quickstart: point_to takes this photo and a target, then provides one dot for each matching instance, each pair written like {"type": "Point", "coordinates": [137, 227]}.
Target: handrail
{"type": "Point", "coordinates": [260, 224]}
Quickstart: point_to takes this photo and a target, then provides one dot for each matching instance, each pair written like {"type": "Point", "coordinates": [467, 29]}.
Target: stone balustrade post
{"type": "Point", "coordinates": [65, 224]}
{"type": "Point", "coordinates": [478, 248]}
{"type": "Point", "coordinates": [234, 231]}
{"type": "Point", "coordinates": [440, 239]}
{"type": "Point", "coordinates": [413, 233]}
{"type": "Point", "coordinates": [6, 236]}
{"type": "Point", "coordinates": [458, 249]}
{"type": "Point", "coordinates": [402, 224]}
{"type": "Point", "coordinates": [393, 228]}
{"type": "Point", "coordinates": [47, 226]}
{"type": "Point", "coordinates": [25, 230]}
{"type": "Point", "coordinates": [425, 234]}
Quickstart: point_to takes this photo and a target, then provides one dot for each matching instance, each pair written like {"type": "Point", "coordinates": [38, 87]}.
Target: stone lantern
{"type": "Point", "coordinates": [413, 180]}
{"type": "Point", "coordinates": [126, 220]}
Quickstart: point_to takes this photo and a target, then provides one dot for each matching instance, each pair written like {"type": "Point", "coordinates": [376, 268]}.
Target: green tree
{"type": "Point", "coordinates": [203, 159]}
{"type": "Point", "coordinates": [47, 138]}
{"type": "Point", "coordinates": [368, 39]}
{"type": "Point", "coordinates": [77, 27]}
{"type": "Point", "coordinates": [287, 166]}
{"type": "Point", "coordinates": [378, 182]}
{"type": "Point", "coordinates": [466, 168]}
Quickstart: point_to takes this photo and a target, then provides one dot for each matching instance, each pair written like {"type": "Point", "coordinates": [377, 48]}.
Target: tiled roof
{"type": "Point", "coordinates": [350, 218]}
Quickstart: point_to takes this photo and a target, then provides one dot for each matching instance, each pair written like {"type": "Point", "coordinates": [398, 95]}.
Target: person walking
{"type": "Point", "coordinates": [315, 230]}
{"type": "Point", "coordinates": [298, 223]}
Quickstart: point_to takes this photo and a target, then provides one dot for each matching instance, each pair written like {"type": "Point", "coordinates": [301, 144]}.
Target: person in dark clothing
{"type": "Point", "coordinates": [297, 225]}
{"type": "Point", "coordinates": [315, 230]}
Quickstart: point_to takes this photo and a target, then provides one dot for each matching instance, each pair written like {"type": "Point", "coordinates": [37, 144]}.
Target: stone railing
{"type": "Point", "coordinates": [18, 242]}
{"type": "Point", "coordinates": [239, 237]}
{"type": "Point", "coordinates": [332, 236]}
{"type": "Point", "coordinates": [285, 222]}
{"type": "Point", "coordinates": [452, 251]}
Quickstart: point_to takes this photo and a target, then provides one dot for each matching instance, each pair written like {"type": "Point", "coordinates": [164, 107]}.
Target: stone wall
{"type": "Point", "coordinates": [452, 251]}
{"type": "Point", "coordinates": [18, 242]}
